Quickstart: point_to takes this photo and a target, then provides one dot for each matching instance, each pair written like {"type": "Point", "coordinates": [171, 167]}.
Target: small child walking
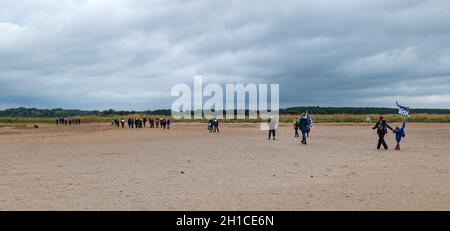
{"type": "Point", "coordinates": [399, 134]}
{"type": "Point", "coordinates": [296, 128]}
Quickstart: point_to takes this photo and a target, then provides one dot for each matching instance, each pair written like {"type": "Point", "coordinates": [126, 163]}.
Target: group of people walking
{"type": "Point", "coordinates": [213, 125]}
{"type": "Point", "coordinates": [65, 121]}
{"type": "Point", "coordinates": [382, 129]}
{"type": "Point", "coordinates": [142, 123]}
{"type": "Point", "coordinates": [304, 125]}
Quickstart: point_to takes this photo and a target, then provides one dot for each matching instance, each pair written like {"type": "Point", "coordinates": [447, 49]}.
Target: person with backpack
{"type": "Point", "coordinates": [399, 134]}
{"type": "Point", "coordinates": [210, 126]}
{"type": "Point", "coordinates": [381, 126]}
{"type": "Point", "coordinates": [303, 126]}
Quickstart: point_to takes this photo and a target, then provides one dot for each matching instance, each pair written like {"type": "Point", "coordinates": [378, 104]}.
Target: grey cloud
{"type": "Point", "coordinates": [127, 54]}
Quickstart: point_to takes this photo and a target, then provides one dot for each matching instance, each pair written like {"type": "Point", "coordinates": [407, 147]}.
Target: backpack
{"type": "Point", "coordinates": [381, 128]}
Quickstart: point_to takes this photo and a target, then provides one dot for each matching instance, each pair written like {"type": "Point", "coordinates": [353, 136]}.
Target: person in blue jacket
{"type": "Point", "coordinates": [210, 126]}
{"type": "Point", "coordinates": [399, 134]}
{"type": "Point", "coordinates": [303, 126]}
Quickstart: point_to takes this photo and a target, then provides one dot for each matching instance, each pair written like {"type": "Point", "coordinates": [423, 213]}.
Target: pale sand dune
{"type": "Point", "coordinates": [97, 167]}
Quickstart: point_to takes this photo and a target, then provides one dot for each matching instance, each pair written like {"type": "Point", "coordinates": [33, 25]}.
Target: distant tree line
{"type": "Point", "coordinates": [357, 110]}
{"type": "Point", "coordinates": [59, 112]}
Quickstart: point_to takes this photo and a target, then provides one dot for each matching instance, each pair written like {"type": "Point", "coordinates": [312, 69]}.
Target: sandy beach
{"type": "Point", "coordinates": [99, 167]}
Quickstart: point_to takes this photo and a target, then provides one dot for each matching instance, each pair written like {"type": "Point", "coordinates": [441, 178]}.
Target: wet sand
{"type": "Point", "coordinates": [98, 167]}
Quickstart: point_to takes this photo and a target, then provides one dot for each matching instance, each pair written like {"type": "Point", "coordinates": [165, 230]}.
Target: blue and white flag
{"type": "Point", "coordinates": [309, 119]}
{"type": "Point", "coordinates": [402, 110]}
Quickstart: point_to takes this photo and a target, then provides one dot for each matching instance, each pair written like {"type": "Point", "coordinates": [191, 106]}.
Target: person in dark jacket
{"type": "Point", "coordinates": [210, 125]}
{"type": "Point", "coordinates": [303, 126]}
{"type": "Point", "coordinates": [382, 127]}
{"type": "Point", "coordinates": [215, 125]}
{"type": "Point", "coordinates": [399, 134]}
{"type": "Point", "coordinates": [152, 122]}
{"type": "Point", "coordinates": [163, 124]}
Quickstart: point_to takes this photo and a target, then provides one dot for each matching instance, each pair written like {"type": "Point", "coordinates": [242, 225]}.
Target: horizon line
{"type": "Point", "coordinates": [168, 109]}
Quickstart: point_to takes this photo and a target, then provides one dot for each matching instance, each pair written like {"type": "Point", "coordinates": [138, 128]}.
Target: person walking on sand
{"type": "Point", "coordinates": [163, 124]}
{"type": "Point", "coordinates": [303, 126]}
{"type": "Point", "coordinates": [296, 128]}
{"type": "Point", "coordinates": [152, 122]}
{"type": "Point", "coordinates": [168, 124]}
{"type": "Point", "coordinates": [216, 125]}
{"type": "Point", "coordinates": [210, 126]}
{"type": "Point", "coordinates": [382, 127]}
{"type": "Point", "coordinates": [399, 134]}
{"type": "Point", "coordinates": [122, 121]}
{"type": "Point", "coordinates": [272, 124]}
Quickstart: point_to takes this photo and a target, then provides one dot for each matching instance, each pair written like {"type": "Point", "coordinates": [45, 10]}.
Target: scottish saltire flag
{"type": "Point", "coordinates": [402, 110]}
{"type": "Point", "coordinates": [309, 119]}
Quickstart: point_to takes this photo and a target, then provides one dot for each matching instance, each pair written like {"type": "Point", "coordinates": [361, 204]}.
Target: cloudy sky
{"type": "Point", "coordinates": [127, 54]}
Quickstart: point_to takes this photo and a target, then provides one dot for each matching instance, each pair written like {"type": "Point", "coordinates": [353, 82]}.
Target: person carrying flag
{"type": "Point", "coordinates": [310, 123]}
{"type": "Point", "coordinates": [399, 134]}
